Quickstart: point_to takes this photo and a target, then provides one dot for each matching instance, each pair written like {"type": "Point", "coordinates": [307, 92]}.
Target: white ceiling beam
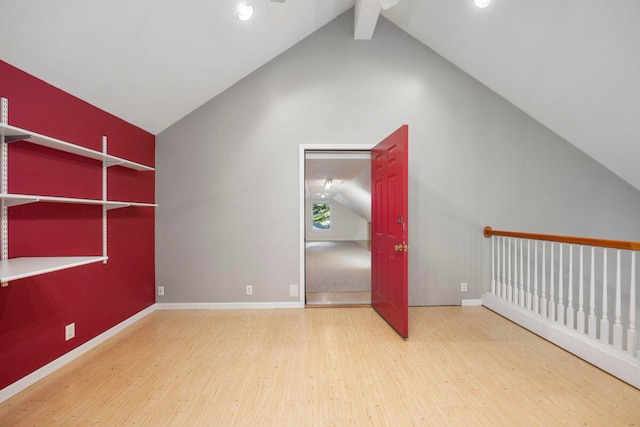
{"type": "Point", "coordinates": [366, 16]}
{"type": "Point", "coordinates": [386, 4]}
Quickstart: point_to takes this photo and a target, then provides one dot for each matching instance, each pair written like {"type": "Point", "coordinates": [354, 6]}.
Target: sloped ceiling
{"type": "Point", "coordinates": [574, 65]}
{"type": "Point", "coordinates": [151, 62]}
{"type": "Point", "coordinates": [340, 170]}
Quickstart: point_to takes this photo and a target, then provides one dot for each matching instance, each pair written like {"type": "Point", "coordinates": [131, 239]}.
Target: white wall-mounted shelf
{"type": "Point", "coordinates": [22, 199]}
{"type": "Point", "coordinates": [19, 268]}
{"type": "Point", "coordinates": [12, 134]}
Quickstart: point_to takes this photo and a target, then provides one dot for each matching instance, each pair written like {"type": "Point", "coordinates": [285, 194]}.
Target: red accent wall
{"type": "Point", "coordinates": [35, 310]}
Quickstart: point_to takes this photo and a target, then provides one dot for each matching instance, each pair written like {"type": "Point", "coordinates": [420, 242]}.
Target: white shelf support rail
{"type": "Point", "coordinates": [4, 185]}
{"type": "Point", "coordinates": [104, 199]}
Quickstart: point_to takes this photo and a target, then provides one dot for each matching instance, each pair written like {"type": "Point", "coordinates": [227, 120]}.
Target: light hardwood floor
{"type": "Point", "coordinates": [323, 367]}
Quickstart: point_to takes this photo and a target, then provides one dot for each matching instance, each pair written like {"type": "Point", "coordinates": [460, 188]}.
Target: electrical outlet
{"type": "Point", "coordinates": [160, 291]}
{"type": "Point", "coordinates": [293, 290]}
{"type": "Point", "coordinates": [69, 331]}
{"type": "Point", "coordinates": [248, 290]}
{"type": "Point", "coordinates": [463, 287]}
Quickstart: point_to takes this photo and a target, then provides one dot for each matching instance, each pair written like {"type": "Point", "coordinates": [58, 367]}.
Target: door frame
{"type": "Point", "coordinates": [302, 175]}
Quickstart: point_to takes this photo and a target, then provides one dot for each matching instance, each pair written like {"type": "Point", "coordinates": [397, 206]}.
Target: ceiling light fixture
{"type": "Point", "coordinates": [245, 10]}
{"type": "Point", "coordinates": [482, 3]}
{"type": "Point", "coordinates": [328, 183]}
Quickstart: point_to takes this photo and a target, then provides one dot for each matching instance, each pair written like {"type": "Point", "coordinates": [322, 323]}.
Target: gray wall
{"type": "Point", "coordinates": [227, 174]}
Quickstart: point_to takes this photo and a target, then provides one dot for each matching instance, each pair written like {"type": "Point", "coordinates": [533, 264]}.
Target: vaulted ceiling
{"type": "Point", "coordinates": [574, 65]}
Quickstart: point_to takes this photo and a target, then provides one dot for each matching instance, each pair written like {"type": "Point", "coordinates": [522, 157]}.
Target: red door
{"type": "Point", "coordinates": [389, 230]}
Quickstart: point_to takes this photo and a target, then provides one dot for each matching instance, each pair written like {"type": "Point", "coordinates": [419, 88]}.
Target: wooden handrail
{"type": "Point", "coordinates": [615, 244]}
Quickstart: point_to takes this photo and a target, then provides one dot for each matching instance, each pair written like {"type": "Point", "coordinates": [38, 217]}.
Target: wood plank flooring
{"type": "Point", "coordinates": [325, 367]}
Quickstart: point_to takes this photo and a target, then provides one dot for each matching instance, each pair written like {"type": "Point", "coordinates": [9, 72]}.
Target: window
{"type": "Point", "coordinates": [321, 216]}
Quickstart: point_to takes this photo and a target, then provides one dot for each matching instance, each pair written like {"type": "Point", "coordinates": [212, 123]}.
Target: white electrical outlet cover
{"type": "Point", "coordinates": [69, 331]}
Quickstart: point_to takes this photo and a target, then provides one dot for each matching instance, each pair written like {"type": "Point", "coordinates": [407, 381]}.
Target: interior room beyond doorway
{"type": "Point", "coordinates": [337, 227]}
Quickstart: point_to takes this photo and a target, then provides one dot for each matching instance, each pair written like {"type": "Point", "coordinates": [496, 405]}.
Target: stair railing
{"type": "Point", "coordinates": [570, 281]}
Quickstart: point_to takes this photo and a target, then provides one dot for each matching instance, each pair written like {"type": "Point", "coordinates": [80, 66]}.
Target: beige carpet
{"type": "Point", "coordinates": [343, 266]}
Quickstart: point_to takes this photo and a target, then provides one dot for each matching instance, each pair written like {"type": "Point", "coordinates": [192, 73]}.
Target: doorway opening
{"type": "Point", "coordinates": [337, 226]}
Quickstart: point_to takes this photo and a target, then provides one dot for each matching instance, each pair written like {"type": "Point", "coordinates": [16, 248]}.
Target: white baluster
{"type": "Point", "coordinates": [514, 296]}
{"type": "Point", "coordinates": [543, 297]}
{"type": "Point", "coordinates": [617, 323]}
{"type": "Point", "coordinates": [592, 297]}
{"type": "Point", "coordinates": [560, 311]}
{"type": "Point", "coordinates": [509, 282]}
{"type": "Point", "coordinates": [503, 288]}
{"type": "Point", "coordinates": [570, 311]}
{"type": "Point", "coordinates": [580, 316]}
{"type": "Point", "coordinates": [521, 298]}
{"type": "Point", "coordinates": [498, 266]}
{"type": "Point", "coordinates": [552, 303]}
{"type": "Point", "coordinates": [528, 274]}
{"type": "Point", "coordinates": [536, 300]}
{"type": "Point", "coordinates": [604, 321]}
{"type": "Point", "coordinates": [632, 333]}
{"type": "Point", "coordinates": [493, 266]}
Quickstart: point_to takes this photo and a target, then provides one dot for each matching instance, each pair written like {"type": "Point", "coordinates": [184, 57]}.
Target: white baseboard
{"type": "Point", "coordinates": [225, 305]}
{"type": "Point", "coordinates": [15, 388]}
{"type": "Point", "coordinates": [618, 364]}
{"type": "Point", "coordinates": [470, 302]}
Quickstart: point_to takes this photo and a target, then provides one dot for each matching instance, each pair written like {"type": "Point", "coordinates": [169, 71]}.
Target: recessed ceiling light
{"type": "Point", "coordinates": [245, 10]}
{"type": "Point", "coordinates": [482, 3]}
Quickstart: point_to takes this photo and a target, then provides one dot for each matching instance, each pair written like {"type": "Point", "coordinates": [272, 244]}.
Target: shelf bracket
{"type": "Point", "coordinates": [15, 138]}
{"type": "Point", "coordinates": [8, 203]}
{"type": "Point", "coordinates": [110, 163]}
{"type": "Point", "coordinates": [116, 206]}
